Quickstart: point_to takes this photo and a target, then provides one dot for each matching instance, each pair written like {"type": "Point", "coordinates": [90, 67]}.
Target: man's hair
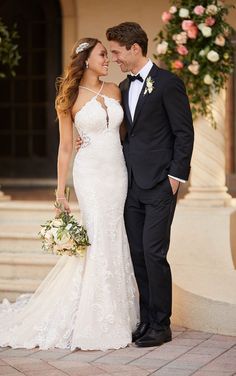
{"type": "Point", "coordinates": [128, 33]}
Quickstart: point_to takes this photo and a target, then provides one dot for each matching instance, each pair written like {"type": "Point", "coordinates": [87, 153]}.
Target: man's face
{"type": "Point", "coordinates": [123, 57]}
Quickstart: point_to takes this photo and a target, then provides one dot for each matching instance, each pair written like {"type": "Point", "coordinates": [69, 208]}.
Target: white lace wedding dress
{"type": "Point", "coordinates": [88, 303]}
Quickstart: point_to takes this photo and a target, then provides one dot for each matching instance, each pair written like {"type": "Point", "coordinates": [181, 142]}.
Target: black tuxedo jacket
{"type": "Point", "coordinates": [159, 140]}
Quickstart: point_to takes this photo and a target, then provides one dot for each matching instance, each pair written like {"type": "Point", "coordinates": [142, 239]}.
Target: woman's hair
{"type": "Point", "coordinates": [128, 33]}
{"type": "Point", "coordinates": [68, 85]}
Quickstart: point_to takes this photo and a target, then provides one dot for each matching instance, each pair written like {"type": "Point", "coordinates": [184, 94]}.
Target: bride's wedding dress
{"type": "Point", "coordinates": [88, 303]}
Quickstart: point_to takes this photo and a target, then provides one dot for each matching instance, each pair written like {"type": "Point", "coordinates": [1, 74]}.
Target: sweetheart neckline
{"type": "Point", "coordinates": [99, 103]}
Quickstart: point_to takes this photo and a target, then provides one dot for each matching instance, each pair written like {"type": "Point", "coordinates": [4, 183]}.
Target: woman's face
{"type": "Point", "coordinates": [98, 60]}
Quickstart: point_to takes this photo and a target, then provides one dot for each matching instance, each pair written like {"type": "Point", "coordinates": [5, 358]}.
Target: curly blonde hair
{"type": "Point", "coordinates": [68, 85]}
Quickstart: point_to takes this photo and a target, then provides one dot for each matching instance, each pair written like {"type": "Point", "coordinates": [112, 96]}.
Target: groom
{"type": "Point", "coordinates": [157, 148]}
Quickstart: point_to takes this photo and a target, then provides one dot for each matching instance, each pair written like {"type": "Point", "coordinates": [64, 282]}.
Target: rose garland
{"type": "Point", "coordinates": [195, 44]}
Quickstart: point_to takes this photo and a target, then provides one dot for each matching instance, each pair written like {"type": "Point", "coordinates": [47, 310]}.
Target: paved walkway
{"type": "Point", "coordinates": [190, 353]}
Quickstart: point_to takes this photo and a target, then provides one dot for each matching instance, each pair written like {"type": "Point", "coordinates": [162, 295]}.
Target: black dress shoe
{"type": "Point", "coordinates": [141, 329]}
{"type": "Point", "coordinates": [154, 337]}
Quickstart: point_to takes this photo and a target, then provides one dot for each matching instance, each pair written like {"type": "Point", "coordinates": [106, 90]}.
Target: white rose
{"type": "Point", "coordinates": [211, 10]}
{"type": "Point", "coordinates": [68, 245]}
{"type": "Point", "coordinates": [49, 235]}
{"type": "Point", "coordinates": [57, 222]}
{"type": "Point", "coordinates": [208, 79]}
{"type": "Point", "coordinates": [202, 53]}
{"type": "Point", "coordinates": [64, 239]}
{"type": "Point", "coordinates": [201, 25]}
{"type": "Point", "coordinates": [173, 9]}
{"type": "Point", "coordinates": [206, 31]}
{"type": "Point", "coordinates": [184, 13]}
{"type": "Point", "coordinates": [180, 38]}
{"type": "Point", "coordinates": [162, 48]}
{"type": "Point", "coordinates": [194, 67]}
{"type": "Point", "coordinates": [220, 40]}
{"type": "Point", "coordinates": [213, 56]}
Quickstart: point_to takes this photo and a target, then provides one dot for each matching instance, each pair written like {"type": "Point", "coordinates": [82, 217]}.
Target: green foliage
{"type": "Point", "coordinates": [195, 43]}
{"type": "Point", "coordinates": [9, 54]}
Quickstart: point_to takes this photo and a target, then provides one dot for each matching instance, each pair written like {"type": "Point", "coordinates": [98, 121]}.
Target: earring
{"type": "Point", "coordinates": [86, 64]}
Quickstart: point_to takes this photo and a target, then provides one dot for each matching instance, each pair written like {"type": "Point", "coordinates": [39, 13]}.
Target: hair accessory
{"type": "Point", "coordinates": [82, 47]}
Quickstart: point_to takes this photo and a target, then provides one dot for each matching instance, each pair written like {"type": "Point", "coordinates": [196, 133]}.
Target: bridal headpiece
{"type": "Point", "coordinates": [82, 46]}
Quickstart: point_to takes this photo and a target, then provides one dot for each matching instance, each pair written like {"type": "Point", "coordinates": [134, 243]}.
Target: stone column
{"type": "Point", "coordinates": [207, 181]}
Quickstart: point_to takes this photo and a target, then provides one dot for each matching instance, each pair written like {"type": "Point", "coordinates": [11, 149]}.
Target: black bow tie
{"type": "Point", "coordinates": [133, 78]}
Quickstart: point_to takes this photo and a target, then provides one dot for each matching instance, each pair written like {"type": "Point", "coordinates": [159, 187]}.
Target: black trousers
{"type": "Point", "coordinates": [148, 218]}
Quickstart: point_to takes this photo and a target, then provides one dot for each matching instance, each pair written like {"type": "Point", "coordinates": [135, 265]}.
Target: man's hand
{"type": "Point", "coordinates": [174, 184]}
{"type": "Point", "coordinates": [78, 143]}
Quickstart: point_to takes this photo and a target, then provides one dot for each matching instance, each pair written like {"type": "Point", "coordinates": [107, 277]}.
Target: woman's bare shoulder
{"type": "Point", "coordinates": [112, 90]}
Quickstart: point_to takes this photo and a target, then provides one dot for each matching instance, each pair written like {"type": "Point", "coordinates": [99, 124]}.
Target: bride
{"type": "Point", "coordinates": [88, 303]}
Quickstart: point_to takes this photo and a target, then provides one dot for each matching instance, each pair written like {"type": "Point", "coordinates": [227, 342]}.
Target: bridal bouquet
{"type": "Point", "coordinates": [64, 236]}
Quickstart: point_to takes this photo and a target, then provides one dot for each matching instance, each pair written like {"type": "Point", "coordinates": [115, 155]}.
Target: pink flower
{"type": "Point", "coordinates": [194, 67]}
{"type": "Point", "coordinates": [177, 64]}
{"type": "Point", "coordinates": [192, 32]}
{"type": "Point", "coordinates": [180, 38]}
{"type": "Point", "coordinates": [199, 10]}
{"type": "Point", "coordinates": [186, 24]}
{"type": "Point", "coordinates": [182, 50]}
{"type": "Point", "coordinates": [210, 21]}
{"type": "Point", "coordinates": [166, 17]}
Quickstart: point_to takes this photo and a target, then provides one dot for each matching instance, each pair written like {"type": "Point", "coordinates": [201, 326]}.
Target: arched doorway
{"type": "Point", "coordinates": [28, 132]}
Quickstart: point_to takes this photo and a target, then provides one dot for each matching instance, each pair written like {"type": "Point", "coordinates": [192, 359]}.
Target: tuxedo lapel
{"type": "Point", "coordinates": [126, 101]}
{"type": "Point", "coordinates": [142, 98]}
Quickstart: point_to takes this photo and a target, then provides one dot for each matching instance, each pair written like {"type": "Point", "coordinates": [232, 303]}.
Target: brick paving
{"type": "Point", "coordinates": [189, 353]}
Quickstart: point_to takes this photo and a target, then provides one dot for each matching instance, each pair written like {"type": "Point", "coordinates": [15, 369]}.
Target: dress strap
{"type": "Point", "coordinates": [92, 91]}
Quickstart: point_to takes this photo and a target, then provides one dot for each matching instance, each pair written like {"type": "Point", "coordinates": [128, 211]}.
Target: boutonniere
{"type": "Point", "coordinates": [149, 86]}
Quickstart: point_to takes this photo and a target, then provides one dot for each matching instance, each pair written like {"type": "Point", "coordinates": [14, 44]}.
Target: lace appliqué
{"type": "Point", "coordinates": [85, 138]}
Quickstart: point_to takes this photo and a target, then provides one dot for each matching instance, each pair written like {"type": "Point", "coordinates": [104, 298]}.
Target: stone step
{"type": "Point", "coordinates": [34, 267]}
{"type": "Point", "coordinates": [31, 213]}
{"type": "Point", "coordinates": [14, 242]}
{"type": "Point", "coordinates": [12, 288]}
{"type": "Point", "coordinates": [23, 265]}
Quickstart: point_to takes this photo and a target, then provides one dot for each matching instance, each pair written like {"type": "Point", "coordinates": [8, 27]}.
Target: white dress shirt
{"type": "Point", "coordinates": [134, 93]}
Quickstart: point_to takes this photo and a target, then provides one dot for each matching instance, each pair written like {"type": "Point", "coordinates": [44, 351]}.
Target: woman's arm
{"type": "Point", "coordinates": [64, 155]}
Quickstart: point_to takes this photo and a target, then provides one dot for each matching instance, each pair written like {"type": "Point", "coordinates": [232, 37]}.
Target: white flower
{"type": "Point", "coordinates": [202, 53]}
{"type": "Point", "coordinates": [220, 40]}
{"type": "Point", "coordinates": [64, 239]}
{"type": "Point", "coordinates": [180, 38]}
{"type": "Point", "coordinates": [201, 25]}
{"type": "Point", "coordinates": [184, 13]}
{"type": "Point", "coordinates": [213, 56]}
{"type": "Point", "coordinates": [162, 48]}
{"type": "Point", "coordinates": [207, 79]}
{"type": "Point", "coordinates": [211, 9]}
{"type": "Point", "coordinates": [57, 222]}
{"type": "Point", "coordinates": [49, 235]}
{"type": "Point", "coordinates": [68, 245]}
{"type": "Point", "coordinates": [194, 67]}
{"type": "Point", "coordinates": [206, 31]}
{"type": "Point", "coordinates": [173, 9]}
{"type": "Point", "coordinates": [149, 86]}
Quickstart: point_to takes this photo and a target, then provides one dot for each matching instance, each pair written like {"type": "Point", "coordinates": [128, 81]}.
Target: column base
{"type": "Point", "coordinates": [207, 197]}
{"type": "Point", "coordinates": [203, 262]}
